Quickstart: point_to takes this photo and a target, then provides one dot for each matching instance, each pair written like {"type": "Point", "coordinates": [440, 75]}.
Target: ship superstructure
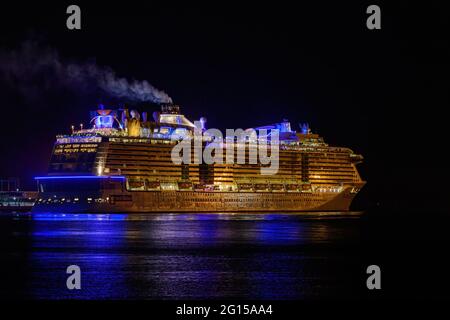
{"type": "Point", "coordinates": [123, 163]}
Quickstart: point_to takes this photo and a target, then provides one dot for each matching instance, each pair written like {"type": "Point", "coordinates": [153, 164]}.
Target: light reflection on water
{"type": "Point", "coordinates": [190, 256]}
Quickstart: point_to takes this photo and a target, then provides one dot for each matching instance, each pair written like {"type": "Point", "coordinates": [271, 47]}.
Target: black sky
{"type": "Point", "coordinates": [382, 93]}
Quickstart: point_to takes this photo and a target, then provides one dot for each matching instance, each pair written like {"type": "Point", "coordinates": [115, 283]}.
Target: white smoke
{"type": "Point", "coordinates": [33, 68]}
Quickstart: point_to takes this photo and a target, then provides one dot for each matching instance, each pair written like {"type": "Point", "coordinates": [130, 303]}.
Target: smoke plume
{"type": "Point", "coordinates": [33, 69]}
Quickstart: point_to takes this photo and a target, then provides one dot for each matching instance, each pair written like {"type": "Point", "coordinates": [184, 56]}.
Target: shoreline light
{"type": "Point", "coordinates": [79, 177]}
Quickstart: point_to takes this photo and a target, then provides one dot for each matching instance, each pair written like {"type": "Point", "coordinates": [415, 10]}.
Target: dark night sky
{"type": "Point", "coordinates": [382, 93]}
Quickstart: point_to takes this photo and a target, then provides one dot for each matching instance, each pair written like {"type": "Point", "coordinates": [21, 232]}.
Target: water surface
{"type": "Point", "coordinates": [182, 256]}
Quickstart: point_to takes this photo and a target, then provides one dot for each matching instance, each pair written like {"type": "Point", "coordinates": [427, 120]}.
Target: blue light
{"type": "Point", "coordinates": [44, 216]}
{"type": "Point", "coordinates": [304, 128]}
{"type": "Point", "coordinates": [79, 177]}
{"type": "Point", "coordinates": [104, 121]}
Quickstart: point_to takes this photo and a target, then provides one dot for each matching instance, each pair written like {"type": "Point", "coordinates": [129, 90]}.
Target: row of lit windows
{"type": "Point", "coordinates": [75, 200]}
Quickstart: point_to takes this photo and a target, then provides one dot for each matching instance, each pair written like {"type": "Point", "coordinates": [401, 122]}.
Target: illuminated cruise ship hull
{"type": "Point", "coordinates": [127, 166]}
{"type": "Point", "coordinates": [198, 201]}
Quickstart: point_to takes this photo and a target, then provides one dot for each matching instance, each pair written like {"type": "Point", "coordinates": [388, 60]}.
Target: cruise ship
{"type": "Point", "coordinates": [122, 162]}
